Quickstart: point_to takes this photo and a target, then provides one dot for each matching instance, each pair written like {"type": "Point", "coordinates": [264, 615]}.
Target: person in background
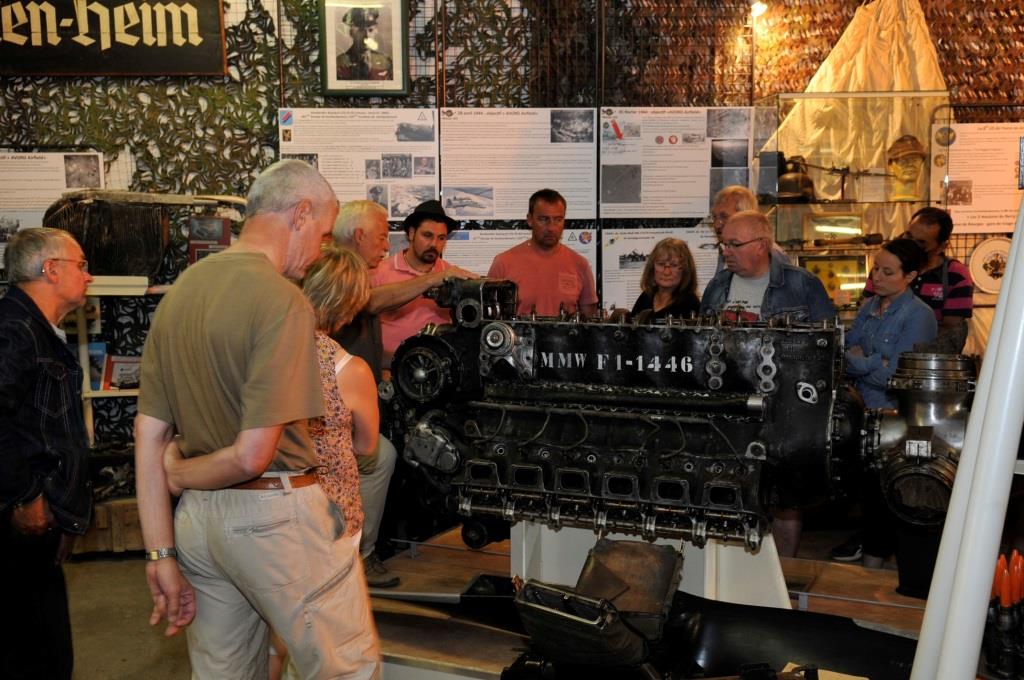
{"type": "Point", "coordinates": [756, 285]}
{"type": "Point", "coordinates": [890, 322]}
{"type": "Point", "coordinates": [426, 229]}
{"type": "Point", "coordinates": [362, 226]}
{"type": "Point", "coordinates": [45, 496]}
{"type": "Point", "coordinates": [943, 283]}
{"type": "Point", "coordinates": [364, 60]}
{"type": "Point", "coordinates": [726, 203]}
{"type": "Point", "coordinates": [669, 283]}
{"type": "Point", "coordinates": [550, 275]}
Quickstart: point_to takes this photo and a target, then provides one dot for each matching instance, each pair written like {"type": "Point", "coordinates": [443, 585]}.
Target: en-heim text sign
{"type": "Point", "coordinates": [111, 37]}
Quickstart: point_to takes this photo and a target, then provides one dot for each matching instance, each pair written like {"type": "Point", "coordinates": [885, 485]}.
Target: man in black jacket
{"type": "Point", "coordinates": [45, 499]}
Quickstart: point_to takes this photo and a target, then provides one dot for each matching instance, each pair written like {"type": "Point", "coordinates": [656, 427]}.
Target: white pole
{"type": "Point", "coordinates": [950, 640]}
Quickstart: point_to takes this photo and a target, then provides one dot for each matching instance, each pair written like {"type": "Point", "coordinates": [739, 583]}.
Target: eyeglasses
{"type": "Point", "coordinates": [735, 245]}
{"type": "Point", "coordinates": [674, 266]}
{"type": "Point", "coordinates": [83, 265]}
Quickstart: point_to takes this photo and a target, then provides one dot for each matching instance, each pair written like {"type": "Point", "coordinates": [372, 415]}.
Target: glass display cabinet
{"type": "Point", "coordinates": [837, 173]}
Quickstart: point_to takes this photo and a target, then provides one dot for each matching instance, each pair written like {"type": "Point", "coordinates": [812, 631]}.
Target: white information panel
{"type": "Point", "coordinates": [384, 155]}
{"type": "Point", "coordinates": [492, 160]}
{"type": "Point", "coordinates": [31, 182]}
{"type": "Point", "coordinates": [670, 162]}
{"type": "Point", "coordinates": [975, 174]}
{"type": "Point", "coordinates": [474, 249]}
{"type": "Point", "coordinates": [625, 253]}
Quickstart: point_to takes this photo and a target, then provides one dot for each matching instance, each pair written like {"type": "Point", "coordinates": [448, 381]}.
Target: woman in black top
{"type": "Point", "coordinates": [669, 283]}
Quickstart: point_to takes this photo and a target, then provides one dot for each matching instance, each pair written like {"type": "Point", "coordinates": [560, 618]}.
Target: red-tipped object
{"type": "Point", "coordinates": [1015, 574]}
{"type": "Point", "coordinates": [1000, 568]}
{"type": "Point", "coordinates": [1004, 589]}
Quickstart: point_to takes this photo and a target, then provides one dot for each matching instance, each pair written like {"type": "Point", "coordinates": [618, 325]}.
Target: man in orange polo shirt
{"type": "Point", "coordinates": [550, 276]}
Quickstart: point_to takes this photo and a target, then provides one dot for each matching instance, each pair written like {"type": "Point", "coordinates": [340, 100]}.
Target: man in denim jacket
{"type": "Point", "coordinates": [756, 286]}
{"type": "Point", "coordinates": [44, 492]}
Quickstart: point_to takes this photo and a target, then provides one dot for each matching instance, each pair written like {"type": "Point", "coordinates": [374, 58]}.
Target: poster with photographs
{"type": "Point", "coordinates": [492, 160]}
{"type": "Point", "coordinates": [31, 182]}
{"type": "Point", "coordinates": [388, 156]}
{"type": "Point", "coordinates": [975, 174]}
{"type": "Point", "coordinates": [363, 49]}
{"type": "Point", "coordinates": [669, 162]}
{"type": "Point", "coordinates": [624, 254]}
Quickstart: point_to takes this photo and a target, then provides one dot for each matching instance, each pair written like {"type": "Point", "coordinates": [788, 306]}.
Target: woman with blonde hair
{"type": "Point", "coordinates": [338, 286]}
{"type": "Point", "coordinates": [669, 283]}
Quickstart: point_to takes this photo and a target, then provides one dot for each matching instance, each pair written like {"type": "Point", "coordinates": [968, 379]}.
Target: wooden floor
{"type": "Point", "coordinates": [422, 635]}
{"type": "Point", "coordinates": [866, 595]}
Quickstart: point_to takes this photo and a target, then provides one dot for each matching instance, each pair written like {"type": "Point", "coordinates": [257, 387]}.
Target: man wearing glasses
{"type": "Point", "coordinates": [754, 286]}
{"type": "Point", "coordinates": [45, 498]}
{"type": "Point", "coordinates": [729, 201]}
{"type": "Point", "coordinates": [944, 284]}
{"type": "Point", "coordinates": [550, 276]}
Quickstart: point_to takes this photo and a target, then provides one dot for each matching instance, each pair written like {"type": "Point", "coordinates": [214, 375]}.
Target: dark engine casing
{"type": "Point", "coordinates": [917, 448]}
{"type": "Point", "coordinates": [683, 429]}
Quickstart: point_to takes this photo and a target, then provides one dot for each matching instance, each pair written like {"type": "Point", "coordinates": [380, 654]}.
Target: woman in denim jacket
{"type": "Point", "coordinates": [888, 324]}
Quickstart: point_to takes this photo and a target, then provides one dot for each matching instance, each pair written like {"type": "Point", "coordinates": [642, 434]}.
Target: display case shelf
{"type": "Point", "coordinates": [861, 154]}
{"type": "Point", "coordinates": [109, 394]}
{"type": "Point", "coordinates": [106, 286]}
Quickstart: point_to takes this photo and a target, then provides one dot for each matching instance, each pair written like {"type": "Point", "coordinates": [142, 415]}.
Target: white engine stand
{"type": "Point", "coordinates": [718, 571]}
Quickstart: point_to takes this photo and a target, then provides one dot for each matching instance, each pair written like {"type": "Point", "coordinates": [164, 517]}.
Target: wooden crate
{"type": "Point", "coordinates": [115, 528]}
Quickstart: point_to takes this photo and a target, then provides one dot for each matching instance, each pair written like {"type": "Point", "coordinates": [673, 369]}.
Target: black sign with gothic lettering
{"type": "Point", "coordinates": [112, 37]}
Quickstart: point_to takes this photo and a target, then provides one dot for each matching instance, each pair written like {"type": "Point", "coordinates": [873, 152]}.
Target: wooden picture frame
{"type": "Point", "coordinates": [364, 47]}
{"type": "Point", "coordinates": [836, 270]}
{"type": "Point", "coordinates": [122, 373]}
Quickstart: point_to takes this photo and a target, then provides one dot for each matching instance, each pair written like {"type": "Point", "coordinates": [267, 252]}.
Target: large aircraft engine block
{"type": "Point", "coordinates": [684, 429]}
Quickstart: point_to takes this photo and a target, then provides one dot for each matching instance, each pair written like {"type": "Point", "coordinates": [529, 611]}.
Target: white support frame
{"type": "Point", "coordinates": [719, 571]}
{"type": "Point", "coordinates": [954, 620]}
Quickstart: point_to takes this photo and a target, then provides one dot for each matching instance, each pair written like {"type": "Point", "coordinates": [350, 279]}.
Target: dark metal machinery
{"type": "Point", "coordinates": [916, 449]}
{"type": "Point", "coordinates": [687, 429]}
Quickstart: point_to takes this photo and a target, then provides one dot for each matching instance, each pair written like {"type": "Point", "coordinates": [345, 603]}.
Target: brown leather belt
{"type": "Point", "coordinates": [275, 483]}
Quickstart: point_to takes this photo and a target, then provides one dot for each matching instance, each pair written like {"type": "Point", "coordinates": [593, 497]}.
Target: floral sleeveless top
{"type": "Point", "coordinates": [332, 436]}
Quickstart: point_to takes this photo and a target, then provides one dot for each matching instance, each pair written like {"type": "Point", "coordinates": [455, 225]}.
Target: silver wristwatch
{"type": "Point", "coordinates": [160, 553]}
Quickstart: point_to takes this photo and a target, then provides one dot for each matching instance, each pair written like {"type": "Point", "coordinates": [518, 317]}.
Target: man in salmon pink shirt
{"type": "Point", "coordinates": [551, 276]}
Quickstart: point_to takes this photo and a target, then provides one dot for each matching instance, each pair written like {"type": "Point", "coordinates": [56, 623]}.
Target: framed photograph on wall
{"type": "Point", "coordinates": [364, 47]}
{"type": "Point", "coordinates": [843, 276]}
{"type": "Point", "coordinates": [122, 372]}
